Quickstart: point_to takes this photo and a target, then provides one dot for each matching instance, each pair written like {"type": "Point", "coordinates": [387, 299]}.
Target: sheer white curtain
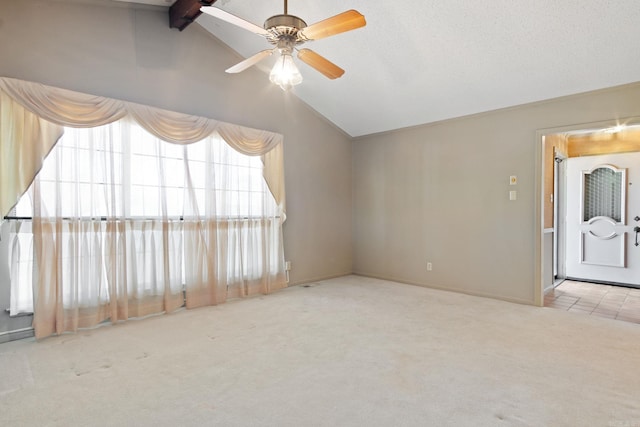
{"type": "Point", "coordinates": [97, 256]}
{"type": "Point", "coordinates": [124, 221]}
{"type": "Point", "coordinates": [20, 267]}
{"type": "Point", "coordinates": [232, 226]}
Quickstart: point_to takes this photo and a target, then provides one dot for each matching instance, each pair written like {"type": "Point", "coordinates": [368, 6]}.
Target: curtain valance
{"type": "Point", "coordinates": [33, 115]}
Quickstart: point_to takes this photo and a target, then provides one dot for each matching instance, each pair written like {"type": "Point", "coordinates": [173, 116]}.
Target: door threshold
{"type": "Point", "coordinates": [602, 282]}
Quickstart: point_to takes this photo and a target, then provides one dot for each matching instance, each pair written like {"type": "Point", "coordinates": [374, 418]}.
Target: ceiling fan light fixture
{"type": "Point", "coordinates": [285, 73]}
{"type": "Point", "coordinates": [286, 32]}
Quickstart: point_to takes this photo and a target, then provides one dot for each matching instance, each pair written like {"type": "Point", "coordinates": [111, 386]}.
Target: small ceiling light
{"type": "Point", "coordinates": [615, 129]}
{"type": "Point", "coordinates": [285, 73]}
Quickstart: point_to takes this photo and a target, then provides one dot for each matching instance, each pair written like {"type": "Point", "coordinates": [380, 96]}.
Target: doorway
{"type": "Point", "coordinates": [593, 243]}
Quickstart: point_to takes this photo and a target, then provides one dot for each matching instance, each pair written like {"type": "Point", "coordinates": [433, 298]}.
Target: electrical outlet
{"type": "Point", "coordinates": [287, 265]}
{"type": "Point", "coordinates": [429, 266]}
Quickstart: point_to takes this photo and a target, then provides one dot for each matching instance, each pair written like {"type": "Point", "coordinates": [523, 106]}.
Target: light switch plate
{"type": "Point", "coordinates": [513, 180]}
{"type": "Point", "coordinates": [513, 195]}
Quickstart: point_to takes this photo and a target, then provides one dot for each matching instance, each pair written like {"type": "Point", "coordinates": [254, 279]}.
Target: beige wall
{"type": "Point", "coordinates": [126, 52]}
{"type": "Point", "coordinates": [439, 193]}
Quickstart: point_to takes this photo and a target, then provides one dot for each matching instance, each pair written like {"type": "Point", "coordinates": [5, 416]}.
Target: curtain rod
{"type": "Point", "coordinates": [103, 218]}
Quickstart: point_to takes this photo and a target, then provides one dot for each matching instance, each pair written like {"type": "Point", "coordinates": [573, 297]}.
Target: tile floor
{"type": "Point", "coordinates": [613, 302]}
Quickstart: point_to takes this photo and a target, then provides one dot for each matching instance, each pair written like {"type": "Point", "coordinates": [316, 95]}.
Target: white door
{"type": "Point", "coordinates": [602, 201]}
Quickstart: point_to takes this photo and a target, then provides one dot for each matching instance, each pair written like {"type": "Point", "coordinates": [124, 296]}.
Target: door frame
{"type": "Point", "coordinates": [540, 252]}
{"type": "Point", "coordinates": [559, 213]}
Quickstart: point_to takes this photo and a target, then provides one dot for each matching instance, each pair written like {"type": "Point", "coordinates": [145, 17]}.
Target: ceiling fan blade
{"type": "Point", "coordinates": [232, 19]}
{"type": "Point", "coordinates": [345, 21]}
{"type": "Point", "coordinates": [253, 60]}
{"type": "Point", "coordinates": [320, 63]}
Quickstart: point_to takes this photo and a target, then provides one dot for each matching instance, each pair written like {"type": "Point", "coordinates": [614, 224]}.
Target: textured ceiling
{"type": "Point", "coordinates": [420, 61]}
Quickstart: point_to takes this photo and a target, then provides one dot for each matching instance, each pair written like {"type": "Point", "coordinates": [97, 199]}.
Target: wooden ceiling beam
{"type": "Point", "coordinates": [184, 12]}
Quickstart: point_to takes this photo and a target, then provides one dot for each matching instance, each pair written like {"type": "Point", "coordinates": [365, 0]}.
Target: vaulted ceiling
{"type": "Point", "coordinates": [421, 61]}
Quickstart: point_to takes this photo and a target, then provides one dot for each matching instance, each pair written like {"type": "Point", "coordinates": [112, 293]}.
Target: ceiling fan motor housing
{"type": "Point", "coordinates": [284, 30]}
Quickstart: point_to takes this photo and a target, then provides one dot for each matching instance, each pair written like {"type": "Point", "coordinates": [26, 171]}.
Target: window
{"type": "Point", "coordinates": [603, 194]}
{"type": "Point", "coordinates": [125, 225]}
{"type": "Point", "coordinates": [121, 172]}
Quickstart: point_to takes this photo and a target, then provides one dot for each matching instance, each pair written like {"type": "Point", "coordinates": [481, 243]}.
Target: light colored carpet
{"type": "Point", "coordinates": [345, 352]}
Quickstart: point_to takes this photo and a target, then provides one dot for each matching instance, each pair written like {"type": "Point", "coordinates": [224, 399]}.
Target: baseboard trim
{"type": "Point", "coordinates": [18, 334]}
{"type": "Point", "coordinates": [319, 279]}
{"type": "Point", "coordinates": [444, 288]}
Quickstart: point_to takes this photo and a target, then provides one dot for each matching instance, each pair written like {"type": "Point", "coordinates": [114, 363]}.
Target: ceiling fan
{"type": "Point", "coordinates": [286, 32]}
